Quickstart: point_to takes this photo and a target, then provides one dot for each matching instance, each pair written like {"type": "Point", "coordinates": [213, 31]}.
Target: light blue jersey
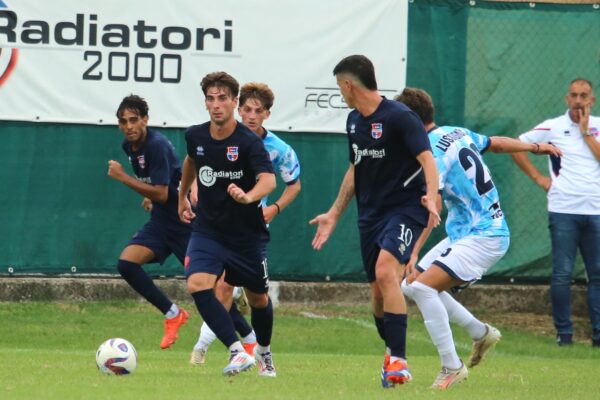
{"type": "Point", "coordinates": [284, 160]}
{"type": "Point", "coordinates": [466, 184]}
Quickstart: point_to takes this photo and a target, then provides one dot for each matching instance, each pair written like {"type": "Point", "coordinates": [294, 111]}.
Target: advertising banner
{"type": "Point", "coordinates": [72, 61]}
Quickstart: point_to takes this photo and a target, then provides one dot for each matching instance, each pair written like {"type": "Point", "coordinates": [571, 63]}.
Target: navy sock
{"type": "Point", "coordinates": [215, 315]}
{"type": "Point", "coordinates": [395, 332]}
{"type": "Point", "coordinates": [379, 325]}
{"type": "Point", "coordinates": [141, 282]}
{"type": "Point", "coordinates": [262, 322]}
{"type": "Point", "coordinates": [241, 325]}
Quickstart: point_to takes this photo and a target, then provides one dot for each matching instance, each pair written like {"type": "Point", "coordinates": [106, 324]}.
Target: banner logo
{"type": "Point", "coordinates": [8, 58]}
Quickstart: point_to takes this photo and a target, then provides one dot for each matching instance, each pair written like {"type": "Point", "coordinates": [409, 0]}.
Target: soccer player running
{"type": "Point", "coordinates": [390, 165]}
{"type": "Point", "coordinates": [229, 234]}
{"type": "Point", "coordinates": [478, 236]}
{"type": "Point", "coordinates": [255, 102]}
{"type": "Point", "coordinates": [157, 174]}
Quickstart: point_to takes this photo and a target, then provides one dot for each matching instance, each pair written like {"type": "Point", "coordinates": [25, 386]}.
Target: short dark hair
{"type": "Point", "coordinates": [134, 103]}
{"type": "Point", "coordinates": [360, 67]}
{"type": "Point", "coordinates": [582, 80]}
{"type": "Point", "coordinates": [220, 79]}
{"type": "Point", "coordinates": [420, 102]}
{"type": "Point", "coordinates": [258, 91]}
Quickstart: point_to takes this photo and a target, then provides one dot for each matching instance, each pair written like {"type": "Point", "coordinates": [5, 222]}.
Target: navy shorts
{"type": "Point", "coordinates": [244, 265]}
{"type": "Point", "coordinates": [162, 241]}
{"type": "Point", "coordinates": [396, 234]}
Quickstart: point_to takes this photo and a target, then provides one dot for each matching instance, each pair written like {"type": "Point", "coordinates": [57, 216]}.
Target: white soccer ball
{"type": "Point", "coordinates": [116, 356]}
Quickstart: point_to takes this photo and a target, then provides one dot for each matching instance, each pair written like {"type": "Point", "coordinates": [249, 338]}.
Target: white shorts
{"type": "Point", "coordinates": [468, 258]}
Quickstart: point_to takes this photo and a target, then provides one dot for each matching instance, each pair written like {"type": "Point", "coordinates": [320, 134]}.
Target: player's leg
{"type": "Point", "coordinates": [564, 233]}
{"type": "Point", "coordinates": [130, 268]}
{"type": "Point", "coordinates": [225, 293]}
{"type": "Point", "coordinates": [590, 252]}
{"type": "Point", "coordinates": [205, 261]}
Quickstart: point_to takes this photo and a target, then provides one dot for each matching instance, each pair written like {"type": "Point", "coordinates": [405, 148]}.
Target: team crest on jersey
{"type": "Point", "coordinates": [376, 130]}
{"type": "Point", "coordinates": [141, 161]}
{"type": "Point", "coordinates": [232, 153]}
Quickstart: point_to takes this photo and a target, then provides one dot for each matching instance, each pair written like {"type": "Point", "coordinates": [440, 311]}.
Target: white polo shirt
{"type": "Point", "coordinates": [576, 175]}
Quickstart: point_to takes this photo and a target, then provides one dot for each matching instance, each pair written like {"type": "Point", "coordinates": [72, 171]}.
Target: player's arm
{"type": "Point", "coordinates": [188, 176]}
{"type": "Point", "coordinates": [427, 161]}
{"type": "Point", "coordinates": [584, 127]}
{"type": "Point", "coordinates": [156, 193]}
{"type": "Point", "coordinates": [327, 222]}
{"type": "Point", "coordinates": [414, 256]}
{"type": "Point", "coordinates": [288, 195]}
{"type": "Point", "coordinates": [503, 144]}
{"type": "Point", "coordinates": [265, 184]}
{"type": "Point", "coordinates": [523, 162]}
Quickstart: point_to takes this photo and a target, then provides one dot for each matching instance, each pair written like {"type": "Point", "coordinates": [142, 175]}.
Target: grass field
{"type": "Point", "coordinates": [47, 352]}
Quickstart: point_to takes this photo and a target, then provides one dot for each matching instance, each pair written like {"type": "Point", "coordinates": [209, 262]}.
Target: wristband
{"type": "Point", "coordinates": [587, 133]}
{"type": "Point", "coordinates": [278, 208]}
{"type": "Point", "coordinates": [537, 148]}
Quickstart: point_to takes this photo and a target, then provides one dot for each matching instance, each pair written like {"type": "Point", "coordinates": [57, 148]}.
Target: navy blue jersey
{"type": "Point", "coordinates": [156, 163]}
{"type": "Point", "coordinates": [383, 148]}
{"type": "Point", "coordinates": [238, 159]}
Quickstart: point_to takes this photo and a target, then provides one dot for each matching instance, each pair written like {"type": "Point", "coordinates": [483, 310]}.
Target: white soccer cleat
{"type": "Point", "coordinates": [450, 377]}
{"type": "Point", "coordinates": [198, 356]}
{"type": "Point", "coordinates": [239, 362]}
{"type": "Point", "coordinates": [483, 345]}
{"type": "Point", "coordinates": [265, 363]}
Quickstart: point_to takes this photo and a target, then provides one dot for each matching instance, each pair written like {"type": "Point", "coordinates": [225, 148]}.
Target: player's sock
{"type": "Point", "coordinates": [262, 322]}
{"type": "Point", "coordinates": [236, 347]}
{"type": "Point", "coordinates": [249, 338]}
{"type": "Point", "coordinates": [458, 314]}
{"type": "Point", "coordinates": [436, 321]}
{"type": "Point", "coordinates": [215, 315]}
{"type": "Point", "coordinates": [207, 336]}
{"type": "Point", "coordinates": [379, 324]}
{"type": "Point", "coordinates": [241, 325]}
{"type": "Point", "coordinates": [395, 333]}
{"type": "Point", "coordinates": [141, 282]}
{"type": "Point", "coordinates": [173, 312]}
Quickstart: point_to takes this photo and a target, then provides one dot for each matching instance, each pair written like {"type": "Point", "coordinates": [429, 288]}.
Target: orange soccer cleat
{"type": "Point", "coordinates": [172, 325]}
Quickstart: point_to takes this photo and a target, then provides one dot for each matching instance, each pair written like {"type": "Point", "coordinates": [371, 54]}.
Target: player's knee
{"type": "Point", "coordinates": [421, 291]}
{"type": "Point", "coordinates": [257, 300]}
{"type": "Point", "coordinates": [407, 289]}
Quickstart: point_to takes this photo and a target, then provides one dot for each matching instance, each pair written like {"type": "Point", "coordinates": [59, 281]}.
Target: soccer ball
{"type": "Point", "coordinates": [116, 356]}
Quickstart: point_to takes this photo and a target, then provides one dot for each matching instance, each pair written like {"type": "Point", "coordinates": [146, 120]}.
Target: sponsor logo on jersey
{"type": "Point", "coordinates": [141, 161]}
{"type": "Point", "coordinates": [376, 130]}
{"type": "Point", "coordinates": [199, 151]}
{"type": "Point", "coordinates": [353, 128]}
{"type": "Point", "coordinates": [232, 153]}
{"type": "Point", "coordinates": [360, 153]}
{"type": "Point", "coordinates": [208, 176]}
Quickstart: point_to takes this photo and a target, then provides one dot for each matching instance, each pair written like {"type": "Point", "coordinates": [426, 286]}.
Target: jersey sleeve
{"type": "Point", "coordinates": [540, 134]}
{"type": "Point", "coordinates": [259, 158]}
{"type": "Point", "coordinates": [412, 130]}
{"type": "Point", "coordinates": [482, 142]}
{"type": "Point", "coordinates": [189, 143]}
{"type": "Point", "coordinates": [159, 168]}
{"type": "Point", "coordinates": [287, 164]}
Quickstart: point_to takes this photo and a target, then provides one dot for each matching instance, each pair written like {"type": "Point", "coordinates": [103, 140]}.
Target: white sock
{"type": "Point", "coordinates": [458, 314]}
{"type": "Point", "coordinates": [207, 336]}
{"type": "Point", "coordinates": [173, 312]}
{"type": "Point", "coordinates": [236, 348]}
{"type": "Point", "coordinates": [263, 349]}
{"type": "Point", "coordinates": [407, 289]}
{"type": "Point", "coordinates": [436, 321]}
{"type": "Point", "coordinates": [251, 338]}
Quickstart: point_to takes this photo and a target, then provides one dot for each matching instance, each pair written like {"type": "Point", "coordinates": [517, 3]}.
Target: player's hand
{"type": "Point", "coordinates": [238, 194]}
{"type": "Point", "coordinates": [584, 118]}
{"type": "Point", "coordinates": [410, 278]}
{"type": "Point", "coordinates": [185, 212]}
{"type": "Point", "coordinates": [549, 149]}
{"type": "Point", "coordinates": [269, 212]}
{"type": "Point", "coordinates": [410, 265]}
{"type": "Point", "coordinates": [325, 225]}
{"type": "Point", "coordinates": [544, 182]}
{"type": "Point", "coordinates": [115, 170]}
{"type": "Point", "coordinates": [430, 205]}
{"type": "Point", "coordinates": [147, 204]}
